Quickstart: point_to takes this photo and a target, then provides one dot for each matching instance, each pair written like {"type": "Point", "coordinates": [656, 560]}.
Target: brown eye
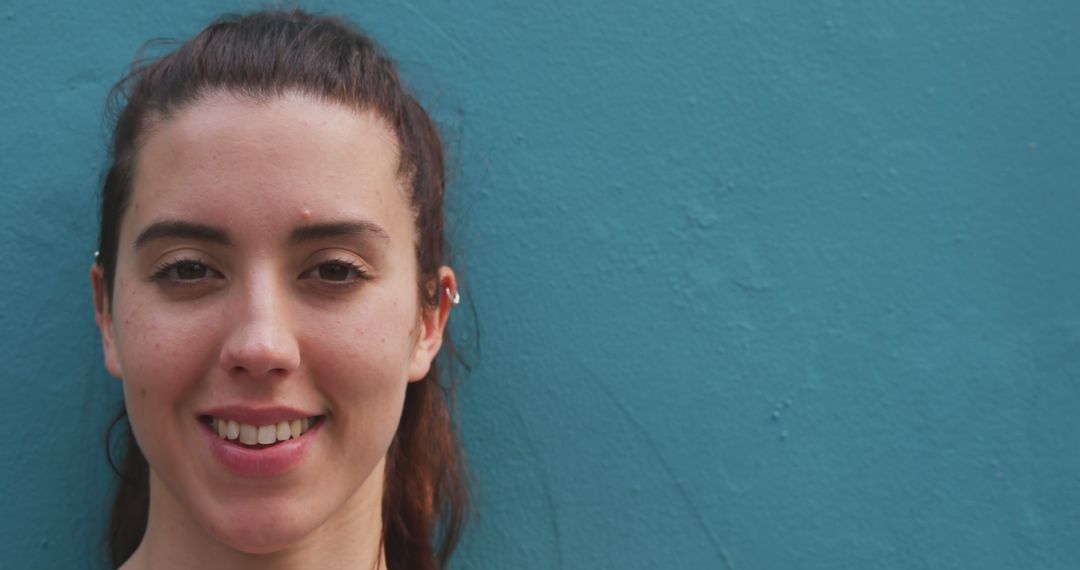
{"type": "Point", "coordinates": [334, 272]}
{"type": "Point", "coordinates": [190, 270]}
{"type": "Point", "coordinates": [185, 272]}
{"type": "Point", "coordinates": [337, 274]}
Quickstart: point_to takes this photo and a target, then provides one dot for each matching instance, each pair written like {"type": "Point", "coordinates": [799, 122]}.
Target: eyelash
{"type": "Point", "coordinates": [361, 274]}
{"type": "Point", "coordinates": [162, 270]}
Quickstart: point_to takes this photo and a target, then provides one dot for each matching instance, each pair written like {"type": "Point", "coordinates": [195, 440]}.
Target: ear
{"type": "Point", "coordinates": [432, 324]}
{"type": "Point", "coordinates": [103, 317]}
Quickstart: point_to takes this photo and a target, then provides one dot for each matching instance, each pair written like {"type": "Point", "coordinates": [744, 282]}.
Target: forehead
{"type": "Point", "coordinates": [264, 166]}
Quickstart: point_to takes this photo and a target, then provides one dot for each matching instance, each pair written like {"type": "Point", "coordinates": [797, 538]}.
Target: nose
{"type": "Point", "coordinates": [261, 343]}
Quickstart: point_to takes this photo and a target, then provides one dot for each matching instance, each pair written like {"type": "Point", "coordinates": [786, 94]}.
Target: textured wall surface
{"type": "Point", "coordinates": [759, 284]}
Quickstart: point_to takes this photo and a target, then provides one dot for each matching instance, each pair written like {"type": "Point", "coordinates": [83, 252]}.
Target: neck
{"type": "Point", "coordinates": [350, 538]}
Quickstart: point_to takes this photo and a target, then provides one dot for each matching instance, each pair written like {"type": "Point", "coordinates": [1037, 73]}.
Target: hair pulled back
{"type": "Point", "coordinates": [264, 55]}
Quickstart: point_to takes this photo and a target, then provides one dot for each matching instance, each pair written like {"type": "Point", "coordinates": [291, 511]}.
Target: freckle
{"type": "Point", "coordinates": [142, 393]}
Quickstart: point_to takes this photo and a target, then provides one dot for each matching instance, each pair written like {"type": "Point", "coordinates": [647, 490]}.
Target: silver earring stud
{"type": "Point", "coordinates": [455, 299]}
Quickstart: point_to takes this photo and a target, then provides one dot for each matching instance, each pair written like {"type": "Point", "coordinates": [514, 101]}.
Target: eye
{"type": "Point", "coordinates": [337, 272]}
{"type": "Point", "coordinates": [184, 270]}
{"type": "Point", "coordinates": [334, 272]}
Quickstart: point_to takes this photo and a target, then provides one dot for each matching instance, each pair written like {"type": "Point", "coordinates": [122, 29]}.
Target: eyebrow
{"type": "Point", "coordinates": [181, 229]}
{"type": "Point", "coordinates": [307, 233]}
{"type": "Point", "coordinates": [315, 232]}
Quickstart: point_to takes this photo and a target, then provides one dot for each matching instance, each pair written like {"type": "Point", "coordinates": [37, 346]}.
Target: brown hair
{"type": "Point", "coordinates": [263, 55]}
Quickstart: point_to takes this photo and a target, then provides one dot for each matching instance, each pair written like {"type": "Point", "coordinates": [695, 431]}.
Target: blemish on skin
{"type": "Point", "coordinates": [305, 213]}
{"type": "Point", "coordinates": [142, 392]}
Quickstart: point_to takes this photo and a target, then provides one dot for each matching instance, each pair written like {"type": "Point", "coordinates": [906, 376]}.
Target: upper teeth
{"type": "Point", "coordinates": [250, 435]}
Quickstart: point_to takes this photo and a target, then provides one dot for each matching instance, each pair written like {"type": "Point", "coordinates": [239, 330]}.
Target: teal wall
{"type": "Point", "coordinates": [759, 284]}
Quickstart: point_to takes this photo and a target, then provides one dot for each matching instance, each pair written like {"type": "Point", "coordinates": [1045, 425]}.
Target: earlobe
{"type": "Point", "coordinates": [103, 318]}
{"type": "Point", "coordinates": [432, 325]}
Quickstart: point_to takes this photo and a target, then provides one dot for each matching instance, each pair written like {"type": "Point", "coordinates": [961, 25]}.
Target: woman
{"type": "Point", "coordinates": [271, 290]}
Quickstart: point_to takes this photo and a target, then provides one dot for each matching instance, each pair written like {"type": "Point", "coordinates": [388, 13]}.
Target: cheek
{"type": "Point", "coordinates": [162, 350]}
{"type": "Point", "coordinates": [360, 360]}
{"type": "Point", "coordinates": [161, 373]}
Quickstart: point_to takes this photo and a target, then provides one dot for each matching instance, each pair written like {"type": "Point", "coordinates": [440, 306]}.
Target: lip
{"type": "Point", "coordinates": [258, 416]}
{"type": "Point", "coordinates": [272, 461]}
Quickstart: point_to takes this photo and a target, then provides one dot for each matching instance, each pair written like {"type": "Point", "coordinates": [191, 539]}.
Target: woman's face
{"type": "Point", "coordinates": [266, 279]}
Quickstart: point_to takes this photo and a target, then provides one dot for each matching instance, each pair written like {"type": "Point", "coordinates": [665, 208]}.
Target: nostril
{"type": "Point", "coordinates": [240, 370]}
{"type": "Point", "coordinates": [260, 357]}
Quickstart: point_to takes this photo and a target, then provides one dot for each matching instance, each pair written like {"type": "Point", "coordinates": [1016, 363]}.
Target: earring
{"type": "Point", "coordinates": [455, 299]}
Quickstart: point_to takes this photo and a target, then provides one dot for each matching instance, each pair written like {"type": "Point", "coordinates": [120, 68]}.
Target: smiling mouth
{"type": "Point", "coordinates": [259, 437]}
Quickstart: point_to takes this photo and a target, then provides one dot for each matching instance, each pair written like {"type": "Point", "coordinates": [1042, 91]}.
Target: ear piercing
{"type": "Point", "coordinates": [455, 299]}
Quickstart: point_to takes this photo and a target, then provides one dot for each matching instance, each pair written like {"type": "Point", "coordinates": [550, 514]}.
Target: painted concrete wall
{"type": "Point", "coordinates": [759, 284]}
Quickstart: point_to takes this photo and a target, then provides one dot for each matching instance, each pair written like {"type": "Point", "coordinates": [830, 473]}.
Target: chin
{"type": "Point", "coordinates": [262, 537]}
{"type": "Point", "coordinates": [260, 526]}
